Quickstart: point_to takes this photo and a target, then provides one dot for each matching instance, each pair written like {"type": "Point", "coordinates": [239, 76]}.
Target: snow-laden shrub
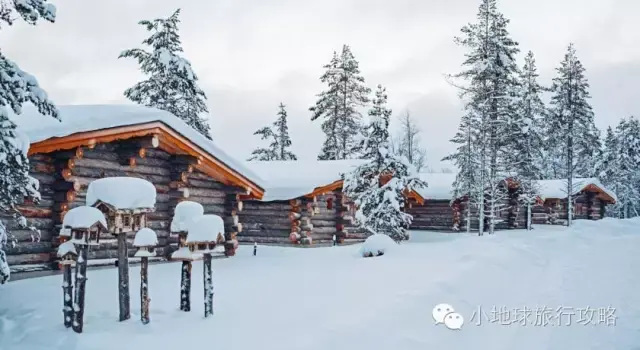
{"type": "Point", "coordinates": [376, 245]}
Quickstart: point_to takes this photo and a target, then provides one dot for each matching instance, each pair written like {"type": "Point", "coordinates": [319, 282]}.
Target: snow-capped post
{"type": "Point", "coordinates": [184, 213]}
{"type": "Point", "coordinates": [84, 225]}
{"type": "Point", "coordinates": [255, 248]}
{"type": "Point", "coordinates": [125, 201]}
{"type": "Point", "coordinates": [67, 254]}
{"type": "Point", "coordinates": [146, 240]}
{"type": "Point", "coordinates": [201, 238]}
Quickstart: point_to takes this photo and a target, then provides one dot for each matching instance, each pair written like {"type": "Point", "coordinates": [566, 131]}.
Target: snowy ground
{"type": "Point", "coordinates": [326, 298]}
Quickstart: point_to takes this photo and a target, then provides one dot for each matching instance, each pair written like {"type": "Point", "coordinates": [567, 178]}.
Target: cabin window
{"type": "Point", "coordinates": [202, 246]}
{"type": "Point", "coordinates": [211, 246]}
{"type": "Point", "coordinates": [151, 249]}
{"type": "Point", "coordinates": [191, 248]}
{"type": "Point", "coordinates": [137, 220]}
{"type": "Point", "coordinates": [127, 220]}
{"type": "Point", "coordinates": [78, 235]}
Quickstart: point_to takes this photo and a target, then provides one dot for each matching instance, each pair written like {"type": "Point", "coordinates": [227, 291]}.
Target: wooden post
{"type": "Point", "coordinates": [208, 285]}
{"type": "Point", "coordinates": [123, 277]}
{"type": "Point", "coordinates": [67, 295]}
{"type": "Point", "coordinates": [81, 281]}
{"type": "Point", "coordinates": [144, 290]}
{"type": "Point", "coordinates": [185, 286]}
{"type": "Point", "coordinates": [255, 248]}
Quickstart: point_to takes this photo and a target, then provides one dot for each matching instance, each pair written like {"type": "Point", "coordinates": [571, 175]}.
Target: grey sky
{"type": "Point", "coordinates": [250, 55]}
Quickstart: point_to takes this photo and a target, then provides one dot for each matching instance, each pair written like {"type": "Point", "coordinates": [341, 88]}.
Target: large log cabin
{"type": "Point", "coordinates": [589, 196]}
{"type": "Point", "coordinates": [440, 212]}
{"type": "Point", "coordinates": [296, 187]}
{"type": "Point", "coordinates": [93, 142]}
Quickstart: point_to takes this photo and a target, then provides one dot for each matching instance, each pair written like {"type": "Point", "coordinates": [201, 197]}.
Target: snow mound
{"type": "Point", "coordinates": [65, 248]}
{"type": "Point", "coordinates": [184, 254]}
{"type": "Point", "coordinates": [146, 237]}
{"type": "Point", "coordinates": [185, 212]}
{"type": "Point", "coordinates": [122, 192]}
{"type": "Point", "coordinates": [377, 244]}
{"type": "Point", "coordinates": [205, 229]}
{"type": "Point", "coordinates": [82, 218]}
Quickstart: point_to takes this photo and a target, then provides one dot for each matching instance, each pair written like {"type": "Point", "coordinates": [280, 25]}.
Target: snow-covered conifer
{"type": "Point", "coordinates": [378, 187]}
{"type": "Point", "coordinates": [18, 87]}
{"type": "Point", "coordinates": [571, 123]}
{"type": "Point", "coordinates": [489, 88]}
{"type": "Point", "coordinates": [172, 85]}
{"type": "Point", "coordinates": [278, 149]}
{"type": "Point", "coordinates": [339, 106]}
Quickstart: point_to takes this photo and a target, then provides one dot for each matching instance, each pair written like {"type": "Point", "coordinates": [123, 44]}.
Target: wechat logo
{"type": "Point", "coordinates": [444, 313]}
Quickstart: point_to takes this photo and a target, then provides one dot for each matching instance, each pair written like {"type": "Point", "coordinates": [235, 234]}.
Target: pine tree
{"type": "Point", "coordinates": [378, 186]}
{"type": "Point", "coordinates": [490, 78]}
{"type": "Point", "coordinates": [18, 87]}
{"type": "Point", "coordinates": [339, 106]}
{"type": "Point", "coordinates": [172, 84]}
{"type": "Point", "coordinates": [609, 168]}
{"type": "Point", "coordinates": [572, 124]}
{"type": "Point", "coordinates": [408, 142]}
{"type": "Point", "coordinates": [279, 134]}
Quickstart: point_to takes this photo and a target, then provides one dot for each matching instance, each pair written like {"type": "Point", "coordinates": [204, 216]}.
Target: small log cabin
{"type": "Point", "coordinates": [297, 187]}
{"type": "Point", "coordinates": [93, 142]}
{"type": "Point", "coordinates": [590, 199]}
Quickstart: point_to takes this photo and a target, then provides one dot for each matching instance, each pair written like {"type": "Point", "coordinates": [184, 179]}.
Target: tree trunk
{"type": "Point", "coordinates": [144, 290]}
{"type": "Point", "coordinates": [81, 281]}
{"type": "Point", "coordinates": [208, 285]}
{"type": "Point", "coordinates": [528, 216]}
{"type": "Point", "coordinates": [67, 295]}
{"type": "Point", "coordinates": [123, 278]}
{"type": "Point", "coordinates": [185, 286]}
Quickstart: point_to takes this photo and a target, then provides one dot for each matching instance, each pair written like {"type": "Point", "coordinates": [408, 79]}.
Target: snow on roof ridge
{"type": "Point", "coordinates": [91, 117]}
{"type": "Point", "coordinates": [556, 188]}
{"type": "Point", "coordinates": [289, 179]}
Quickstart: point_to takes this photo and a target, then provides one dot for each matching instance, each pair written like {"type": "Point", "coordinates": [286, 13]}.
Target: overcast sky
{"type": "Point", "coordinates": [250, 55]}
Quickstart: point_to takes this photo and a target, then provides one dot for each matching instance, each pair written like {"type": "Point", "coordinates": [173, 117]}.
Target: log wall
{"type": "Point", "coordinates": [554, 211]}
{"type": "Point", "coordinates": [433, 215]}
{"type": "Point", "coordinates": [64, 179]}
{"type": "Point", "coordinates": [265, 222]}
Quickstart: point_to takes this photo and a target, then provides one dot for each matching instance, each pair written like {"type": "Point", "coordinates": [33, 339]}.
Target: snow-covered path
{"type": "Point", "coordinates": [326, 298]}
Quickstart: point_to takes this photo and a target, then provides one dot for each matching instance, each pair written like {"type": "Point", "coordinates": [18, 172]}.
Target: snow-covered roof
{"type": "Point", "coordinates": [146, 237]}
{"type": "Point", "coordinates": [557, 188]}
{"type": "Point", "coordinates": [205, 229]}
{"type": "Point", "coordinates": [185, 212]}
{"type": "Point", "coordinates": [82, 218]}
{"type": "Point", "coordinates": [66, 248]}
{"type": "Point", "coordinates": [84, 118]}
{"type": "Point", "coordinates": [285, 180]}
{"type": "Point", "coordinates": [122, 193]}
{"type": "Point", "coordinates": [439, 185]}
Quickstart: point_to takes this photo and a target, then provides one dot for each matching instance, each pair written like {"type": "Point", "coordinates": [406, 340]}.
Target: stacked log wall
{"type": "Point", "coordinates": [265, 222]}
{"type": "Point", "coordinates": [325, 220]}
{"type": "Point", "coordinates": [65, 176]}
{"type": "Point", "coordinates": [105, 161]}
{"type": "Point", "coordinates": [433, 215]}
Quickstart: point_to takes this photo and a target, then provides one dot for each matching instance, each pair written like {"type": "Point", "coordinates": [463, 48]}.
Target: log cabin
{"type": "Point", "coordinates": [303, 197]}
{"type": "Point", "coordinates": [589, 196]}
{"type": "Point", "coordinates": [96, 141]}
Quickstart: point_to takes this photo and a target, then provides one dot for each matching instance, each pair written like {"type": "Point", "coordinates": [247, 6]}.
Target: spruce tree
{"type": "Point", "coordinates": [571, 125]}
{"type": "Point", "coordinates": [339, 105]}
{"type": "Point", "coordinates": [172, 84]}
{"type": "Point", "coordinates": [489, 89]}
{"type": "Point", "coordinates": [280, 141]}
{"type": "Point", "coordinates": [378, 187]}
{"type": "Point", "coordinates": [18, 87]}
{"type": "Point", "coordinates": [608, 168]}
